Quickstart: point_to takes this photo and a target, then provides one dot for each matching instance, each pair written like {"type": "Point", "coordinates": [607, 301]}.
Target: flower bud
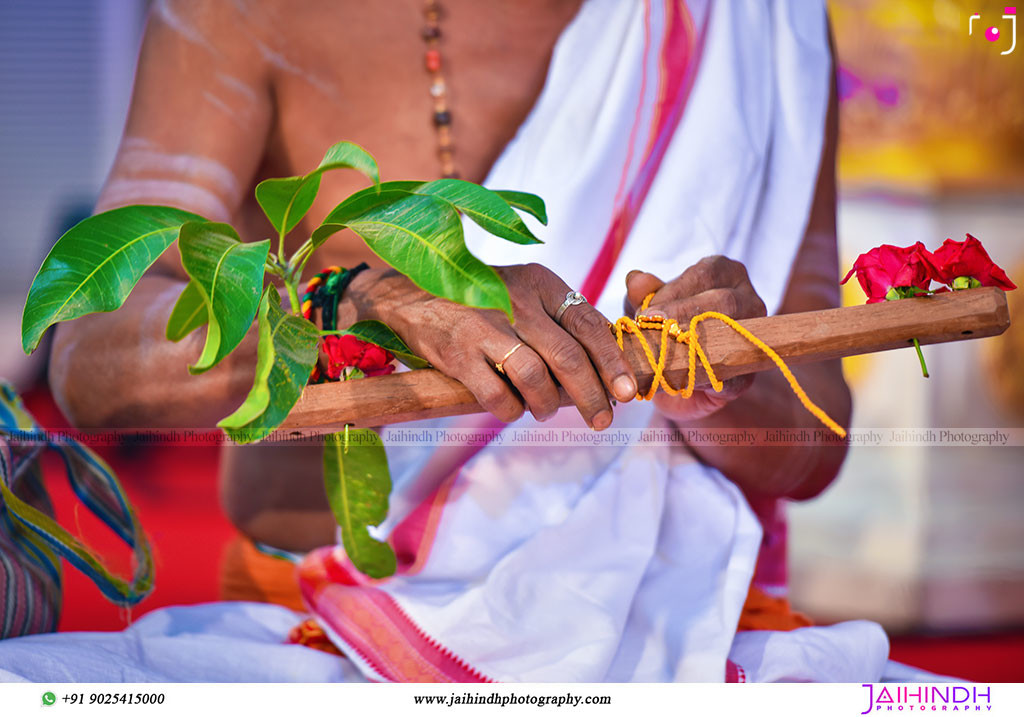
{"type": "Point", "coordinates": [965, 282]}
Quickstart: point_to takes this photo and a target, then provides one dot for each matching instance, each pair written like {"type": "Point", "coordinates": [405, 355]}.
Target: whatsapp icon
{"type": "Point", "coordinates": [49, 698]}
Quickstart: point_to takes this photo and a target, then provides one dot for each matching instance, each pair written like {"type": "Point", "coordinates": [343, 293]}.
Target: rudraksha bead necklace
{"type": "Point", "coordinates": [442, 116]}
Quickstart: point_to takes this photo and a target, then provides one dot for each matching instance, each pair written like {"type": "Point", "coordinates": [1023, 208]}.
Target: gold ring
{"type": "Point", "coordinates": [501, 364]}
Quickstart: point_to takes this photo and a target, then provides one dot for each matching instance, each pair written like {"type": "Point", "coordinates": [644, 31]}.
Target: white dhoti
{"type": "Point", "coordinates": [665, 132]}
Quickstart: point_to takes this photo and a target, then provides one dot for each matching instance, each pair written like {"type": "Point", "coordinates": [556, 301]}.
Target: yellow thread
{"type": "Point", "coordinates": [670, 329]}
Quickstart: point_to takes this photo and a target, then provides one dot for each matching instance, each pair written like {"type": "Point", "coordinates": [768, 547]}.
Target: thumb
{"type": "Point", "coordinates": [638, 285]}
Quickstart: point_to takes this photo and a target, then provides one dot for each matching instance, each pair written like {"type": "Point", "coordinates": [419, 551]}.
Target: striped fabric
{"type": "Point", "coordinates": [31, 541]}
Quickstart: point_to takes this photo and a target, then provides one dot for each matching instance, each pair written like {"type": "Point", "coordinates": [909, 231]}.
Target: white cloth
{"type": "Point", "coordinates": [595, 562]}
{"type": "Point", "coordinates": [813, 654]}
{"type": "Point", "coordinates": [218, 642]}
{"type": "Point", "coordinates": [243, 642]}
{"type": "Point", "coordinates": [620, 563]}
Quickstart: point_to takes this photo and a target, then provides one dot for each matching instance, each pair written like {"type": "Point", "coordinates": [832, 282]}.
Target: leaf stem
{"type": "Point", "coordinates": [273, 266]}
{"type": "Point", "coordinates": [920, 357]}
{"type": "Point", "coordinates": [297, 261]}
{"type": "Point", "coordinates": [280, 245]}
{"type": "Point", "coordinates": [293, 296]}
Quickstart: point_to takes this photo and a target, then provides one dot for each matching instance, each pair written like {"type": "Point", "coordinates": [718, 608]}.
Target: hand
{"type": "Point", "coordinates": [714, 283]}
{"type": "Point", "coordinates": [579, 352]}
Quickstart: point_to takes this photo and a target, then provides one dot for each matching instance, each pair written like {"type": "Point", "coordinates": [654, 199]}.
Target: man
{"type": "Point", "coordinates": [230, 93]}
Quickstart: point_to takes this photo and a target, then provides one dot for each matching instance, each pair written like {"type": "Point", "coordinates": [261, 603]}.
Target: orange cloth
{"type": "Point", "coordinates": [309, 634]}
{"type": "Point", "coordinates": [247, 574]}
{"type": "Point", "coordinates": [761, 611]}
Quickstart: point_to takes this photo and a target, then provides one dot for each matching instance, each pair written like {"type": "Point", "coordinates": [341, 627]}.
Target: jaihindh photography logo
{"type": "Point", "coordinates": [994, 33]}
{"type": "Point", "coordinates": [927, 698]}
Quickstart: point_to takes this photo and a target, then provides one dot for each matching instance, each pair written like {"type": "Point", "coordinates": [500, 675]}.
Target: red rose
{"type": "Point", "coordinates": [891, 267]}
{"type": "Point", "coordinates": [968, 259]}
{"type": "Point", "coordinates": [349, 352]}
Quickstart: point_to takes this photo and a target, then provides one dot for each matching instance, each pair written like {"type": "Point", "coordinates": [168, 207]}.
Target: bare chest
{"type": "Point", "coordinates": [357, 71]}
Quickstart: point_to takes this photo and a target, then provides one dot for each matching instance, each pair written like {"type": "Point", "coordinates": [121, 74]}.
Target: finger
{"type": "Point", "coordinates": [570, 364]}
{"type": "Point", "coordinates": [530, 376]}
{"type": "Point", "coordinates": [492, 393]}
{"type": "Point", "coordinates": [638, 285]}
{"type": "Point", "coordinates": [711, 272]}
{"type": "Point", "coordinates": [733, 388]}
{"type": "Point", "coordinates": [591, 330]}
{"type": "Point", "coordinates": [738, 304]}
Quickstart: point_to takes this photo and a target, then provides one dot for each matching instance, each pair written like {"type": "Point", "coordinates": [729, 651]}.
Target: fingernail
{"type": "Point", "coordinates": [602, 420]}
{"type": "Point", "coordinates": [650, 313]}
{"type": "Point", "coordinates": [624, 387]}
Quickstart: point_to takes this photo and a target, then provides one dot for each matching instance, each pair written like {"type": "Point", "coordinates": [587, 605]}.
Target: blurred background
{"type": "Point", "coordinates": [928, 541]}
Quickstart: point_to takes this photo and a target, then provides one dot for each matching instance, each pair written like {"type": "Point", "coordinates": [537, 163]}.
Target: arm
{"type": "Point", "coordinates": [199, 116]}
{"type": "Point", "coordinates": [186, 146]}
{"type": "Point", "coordinates": [765, 400]}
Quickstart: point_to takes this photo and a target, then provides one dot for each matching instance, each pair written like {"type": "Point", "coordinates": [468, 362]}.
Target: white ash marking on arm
{"type": "Point", "coordinates": [162, 9]}
{"type": "Point", "coordinates": [190, 197]}
{"type": "Point", "coordinates": [238, 87]}
{"type": "Point", "coordinates": [282, 63]}
{"type": "Point", "coordinates": [136, 162]}
{"type": "Point", "coordinates": [233, 114]}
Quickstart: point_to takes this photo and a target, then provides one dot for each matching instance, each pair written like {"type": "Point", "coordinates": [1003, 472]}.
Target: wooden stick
{"type": "Point", "coordinates": [798, 338]}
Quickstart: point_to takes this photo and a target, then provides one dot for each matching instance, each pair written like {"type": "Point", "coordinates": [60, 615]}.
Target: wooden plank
{"type": "Point", "coordinates": [798, 338]}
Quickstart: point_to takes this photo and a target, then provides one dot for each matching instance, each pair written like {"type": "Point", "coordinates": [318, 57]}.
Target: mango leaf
{"type": "Point", "coordinates": [285, 201]}
{"type": "Point", "coordinates": [379, 333]}
{"type": "Point", "coordinates": [360, 202]}
{"type": "Point", "coordinates": [358, 483]}
{"type": "Point", "coordinates": [483, 206]}
{"type": "Point", "coordinates": [285, 356]}
{"type": "Point", "coordinates": [229, 276]}
{"type": "Point", "coordinates": [421, 236]}
{"type": "Point", "coordinates": [95, 265]}
{"type": "Point", "coordinates": [491, 210]}
{"type": "Point", "coordinates": [529, 203]}
{"type": "Point", "coordinates": [188, 314]}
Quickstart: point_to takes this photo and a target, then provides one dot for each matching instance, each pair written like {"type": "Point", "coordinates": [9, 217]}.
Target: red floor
{"type": "Point", "coordinates": [174, 490]}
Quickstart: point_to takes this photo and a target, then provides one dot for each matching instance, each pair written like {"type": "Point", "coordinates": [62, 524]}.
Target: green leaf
{"type": "Point", "coordinates": [286, 201]}
{"type": "Point", "coordinates": [188, 314]}
{"type": "Point", "coordinates": [483, 206]}
{"type": "Point", "coordinates": [381, 334]}
{"type": "Point", "coordinates": [229, 276]}
{"type": "Point", "coordinates": [358, 484]}
{"type": "Point", "coordinates": [529, 203]}
{"type": "Point", "coordinates": [360, 202]}
{"type": "Point", "coordinates": [96, 264]}
{"type": "Point", "coordinates": [491, 210]}
{"type": "Point", "coordinates": [422, 238]}
{"type": "Point", "coordinates": [285, 356]}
